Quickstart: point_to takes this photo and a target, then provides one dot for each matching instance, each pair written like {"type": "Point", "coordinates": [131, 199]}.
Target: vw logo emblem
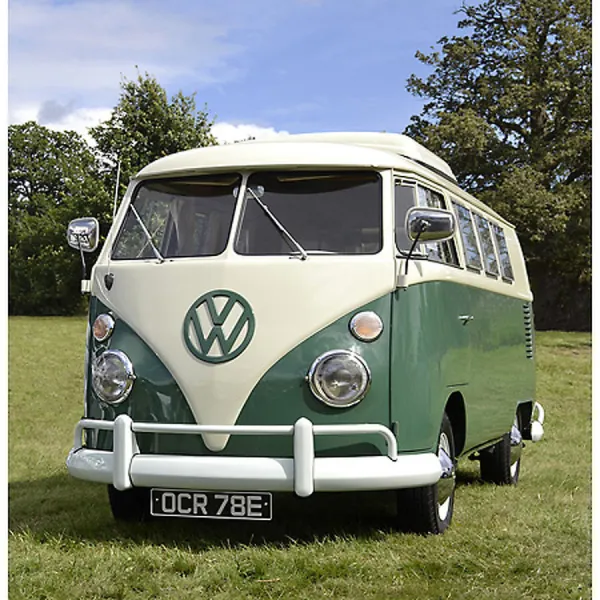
{"type": "Point", "coordinates": [218, 326]}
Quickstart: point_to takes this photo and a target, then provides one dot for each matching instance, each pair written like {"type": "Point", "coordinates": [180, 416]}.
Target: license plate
{"type": "Point", "coordinates": [253, 506]}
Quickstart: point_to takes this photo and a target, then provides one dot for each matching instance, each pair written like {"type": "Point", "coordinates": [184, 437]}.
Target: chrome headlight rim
{"type": "Point", "coordinates": [129, 372]}
{"type": "Point", "coordinates": [109, 323]}
{"type": "Point", "coordinates": [317, 390]}
{"type": "Point", "coordinates": [353, 325]}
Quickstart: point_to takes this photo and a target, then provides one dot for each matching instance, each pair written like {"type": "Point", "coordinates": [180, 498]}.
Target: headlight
{"type": "Point", "coordinates": [103, 327]}
{"type": "Point", "coordinates": [339, 378]}
{"type": "Point", "coordinates": [366, 326]}
{"type": "Point", "coordinates": [112, 376]}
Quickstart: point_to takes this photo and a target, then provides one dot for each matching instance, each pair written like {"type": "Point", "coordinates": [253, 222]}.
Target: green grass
{"type": "Point", "coordinates": [532, 541]}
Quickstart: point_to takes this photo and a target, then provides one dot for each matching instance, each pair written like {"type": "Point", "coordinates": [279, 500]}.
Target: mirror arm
{"type": "Point", "coordinates": [83, 265]}
{"type": "Point", "coordinates": [423, 226]}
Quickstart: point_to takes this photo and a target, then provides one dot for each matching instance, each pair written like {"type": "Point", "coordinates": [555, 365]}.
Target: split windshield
{"type": "Point", "coordinates": [284, 213]}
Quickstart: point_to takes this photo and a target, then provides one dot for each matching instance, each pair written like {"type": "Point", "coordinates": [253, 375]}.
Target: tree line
{"type": "Point", "coordinates": [507, 104]}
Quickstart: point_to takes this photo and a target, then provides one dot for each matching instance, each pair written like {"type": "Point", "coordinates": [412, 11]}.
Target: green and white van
{"type": "Point", "coordinates": [321, 313]}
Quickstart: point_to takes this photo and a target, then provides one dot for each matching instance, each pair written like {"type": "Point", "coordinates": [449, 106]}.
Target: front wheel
{"type": "Point", "coordinates": [429, 509]}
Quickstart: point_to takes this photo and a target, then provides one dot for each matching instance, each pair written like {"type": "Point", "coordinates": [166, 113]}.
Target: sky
{"type": "Point", "coordinates": [263, 67]}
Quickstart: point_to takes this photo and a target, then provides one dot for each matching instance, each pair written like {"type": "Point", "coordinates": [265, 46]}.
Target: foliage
{"type": "Point", "coordinates": [508, 105]}
{"type": "Point", "coordinates": [56, 177]}
{"type": "Point", "coordinates": [52, 179]}
{"type": "Point", "coordinates": [532, 541]}
{"type": "Point", "coordinates": [145, 125]}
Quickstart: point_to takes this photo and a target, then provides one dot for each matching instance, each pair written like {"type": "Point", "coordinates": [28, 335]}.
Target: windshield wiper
{"type": "Point", "coordinates": [279, 226]}
{"type": "Point", "coordinates": [158, 255]}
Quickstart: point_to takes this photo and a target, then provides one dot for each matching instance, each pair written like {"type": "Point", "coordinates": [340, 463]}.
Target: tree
{"type": "Point", "coordinates": [145, 125]}
{"type": "Point", "coordinates": [55, 177]}
{"type": "Point", "coordinates": [52, 179]}
{"type": "Point", "coordinates": [508, 105]}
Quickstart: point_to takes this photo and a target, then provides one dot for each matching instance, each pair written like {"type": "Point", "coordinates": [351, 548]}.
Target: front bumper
{"type": "Point", "coordinates": [125, 467]}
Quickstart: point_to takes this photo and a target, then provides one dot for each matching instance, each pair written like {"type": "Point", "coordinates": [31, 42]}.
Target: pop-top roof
{"type": "Point", "coordinates": [343, 148]}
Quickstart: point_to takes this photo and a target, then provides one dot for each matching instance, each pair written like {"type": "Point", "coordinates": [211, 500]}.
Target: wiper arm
{"type": "Point", "coordinates": [158, 255]}
{"type": "Point", "coordinates": [277, 224]}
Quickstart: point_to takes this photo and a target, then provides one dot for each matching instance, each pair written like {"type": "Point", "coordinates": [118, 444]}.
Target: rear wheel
{"type": "Point", "coordinates": [129, 505]}
{"type": "Point", "coordinates": [429, 509]}
{"type": "Point", "coordinates": [501, 464]}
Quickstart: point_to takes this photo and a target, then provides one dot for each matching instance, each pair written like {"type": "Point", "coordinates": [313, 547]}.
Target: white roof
{"type": "Point", "coordinates": [348, 149]}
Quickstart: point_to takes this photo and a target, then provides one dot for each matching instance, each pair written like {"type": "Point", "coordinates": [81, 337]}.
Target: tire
{"type": "Point", "coordinates": [429, 509]}
{"type": "Point", "coordinates": [131, 505]}
{"type": "Point", "coordinates": [501, 464]}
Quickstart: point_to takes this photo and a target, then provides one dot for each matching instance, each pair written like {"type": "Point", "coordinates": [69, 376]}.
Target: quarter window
{"type": "Point", "coordinates": [404, 198]}
{"type": "Point", "coordinates": [487, 245]}
{"type": "Point", "coordinates": [439, 251]}
{"type": "Point", "coordinates": [505, 265]}
{"type": "Point", "coordinates": [467, 232]}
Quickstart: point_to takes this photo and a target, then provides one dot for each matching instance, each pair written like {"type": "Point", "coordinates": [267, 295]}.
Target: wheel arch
{"type": "Point", "coordinates": [525, 411]}
{"type": "Point", "coordinates": [456, 411]}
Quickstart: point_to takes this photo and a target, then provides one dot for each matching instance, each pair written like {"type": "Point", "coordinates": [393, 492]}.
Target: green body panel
{"type": "Point", "coordinates": [435, 354]}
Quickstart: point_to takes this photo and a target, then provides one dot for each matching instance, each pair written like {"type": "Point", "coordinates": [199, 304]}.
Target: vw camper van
{"type": "Point", "coordinates": [321, 313]}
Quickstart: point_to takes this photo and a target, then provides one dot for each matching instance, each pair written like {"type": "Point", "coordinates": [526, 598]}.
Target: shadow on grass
{"type": "Point", "coordinates": [60, 507]}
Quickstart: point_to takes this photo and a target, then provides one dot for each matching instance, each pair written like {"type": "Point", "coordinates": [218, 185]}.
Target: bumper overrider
{"type": "Point", "coordinates": [125, 467]}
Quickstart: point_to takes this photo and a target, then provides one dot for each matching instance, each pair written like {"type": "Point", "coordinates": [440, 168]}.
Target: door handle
{"type": "Point", "coordinates": [465, 318]}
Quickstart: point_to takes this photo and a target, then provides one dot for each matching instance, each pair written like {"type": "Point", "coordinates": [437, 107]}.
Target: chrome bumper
{"type": "Point", "coordinates": [303, 474]}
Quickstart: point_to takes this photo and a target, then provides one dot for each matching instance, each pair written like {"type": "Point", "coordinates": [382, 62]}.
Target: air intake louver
{"type": "Point", "coordinates": [528, 320]}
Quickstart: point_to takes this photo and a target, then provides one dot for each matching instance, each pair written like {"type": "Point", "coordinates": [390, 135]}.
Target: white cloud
{"type": "Point", "coordinates": [227, 133]}
{"type": "Point", "coordinates": [76, 52]}
{"type": "Point", "coordinates": [78, 120]}
{"type": "Point", "coordinates": [81, 119]}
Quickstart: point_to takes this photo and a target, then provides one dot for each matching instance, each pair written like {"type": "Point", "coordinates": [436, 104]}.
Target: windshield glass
{"type": "Point", "coordinates": [184, 217]}
{"type": "Point", "coordinates": [336, 212]}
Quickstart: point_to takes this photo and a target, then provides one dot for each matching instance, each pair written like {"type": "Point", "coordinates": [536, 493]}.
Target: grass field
{"type": "Point", "coordinates": [532, 541]}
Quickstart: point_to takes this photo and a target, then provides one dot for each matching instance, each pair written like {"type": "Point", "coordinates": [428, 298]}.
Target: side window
{"type": "Point", "coordinates": [404, 198]}
{"type": "Point", "coordinates": [439, 251]}
{"type": "Point", "coordinates": [467, 233]}
{"type": "Point", "coordinates": [505, 265]}
{"type": "Point", "coordinates": [487, 245]}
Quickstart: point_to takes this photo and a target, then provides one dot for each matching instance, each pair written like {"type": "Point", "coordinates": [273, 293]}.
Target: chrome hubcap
{"type": "Point", "coordinates": [447, 482]}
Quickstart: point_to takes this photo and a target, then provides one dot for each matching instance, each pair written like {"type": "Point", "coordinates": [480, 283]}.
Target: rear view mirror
{"type": "Point", "coordinates": [430, 224]}
{"type": "Point", "coordinates": [83, 234]}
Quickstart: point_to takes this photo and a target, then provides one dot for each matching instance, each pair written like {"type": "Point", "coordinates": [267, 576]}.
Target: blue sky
{"type": "Point", "coordinates": [262, 66]}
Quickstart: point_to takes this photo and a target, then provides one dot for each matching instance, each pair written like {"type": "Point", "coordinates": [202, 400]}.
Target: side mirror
{"type": "Point", "coordinates": [430, 224]}
{"type": "Point", "coordinates": [83, 234]}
